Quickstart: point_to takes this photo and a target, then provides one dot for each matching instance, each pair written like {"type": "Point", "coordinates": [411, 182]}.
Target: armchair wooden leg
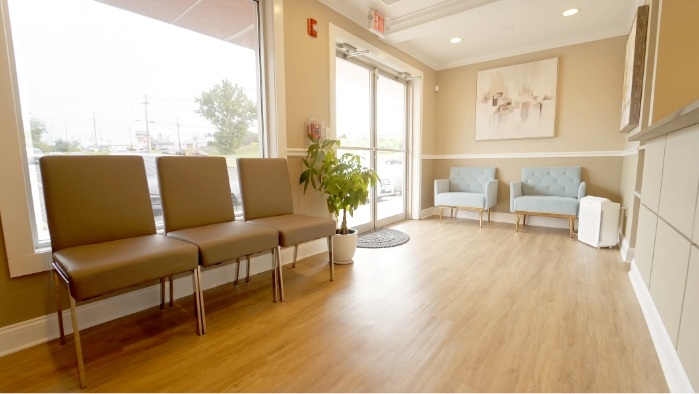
{"type": "Point", "coordinates": [441, 210]}
{"type": "Point", "coordinates": [572, 223]}
{"type": "Point", "coordinates": [524, 220]}
{"type": "Point", "coordinates": [480, 219]}
{"type": "Point", "coordinates": [488, 215]}
{"type": "Point", "coordinates": [57, 291]}
{"type": "Point", "coordinates": [76, 339]}
{"type": "Point", "coordinates": [517, 223]}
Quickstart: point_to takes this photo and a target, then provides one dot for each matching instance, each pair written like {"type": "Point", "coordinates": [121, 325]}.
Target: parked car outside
{"type": "Point", "coordinates": [149, 160]}
{"type": "Point", "coordinates": [33, 155]}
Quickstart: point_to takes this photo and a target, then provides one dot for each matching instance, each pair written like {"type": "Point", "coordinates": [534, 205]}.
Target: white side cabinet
{"type": "Point", "coordinates": [598, 223]}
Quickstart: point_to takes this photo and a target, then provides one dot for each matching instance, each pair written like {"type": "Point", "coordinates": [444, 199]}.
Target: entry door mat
{"type": "Point", "coordinates": [382, 238]}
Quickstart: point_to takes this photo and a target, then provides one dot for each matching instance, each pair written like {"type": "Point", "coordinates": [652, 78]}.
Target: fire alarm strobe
{"type": "Point", "coordinates": [312, 27]}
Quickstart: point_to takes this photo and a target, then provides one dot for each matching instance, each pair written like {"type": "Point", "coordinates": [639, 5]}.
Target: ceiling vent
{"type": "Point", "coordinates": [389, 2]}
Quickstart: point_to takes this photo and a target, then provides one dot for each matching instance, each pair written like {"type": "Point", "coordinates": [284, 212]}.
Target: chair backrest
{"type": "Point", "coordinates": [551, 181]}
{"type": "Point", "coordinates": [194, 191]}
{"type": "Point", "coordinates": [265, 187]}
{"type": "Point", "coordinates": [94, 199]}
{"type": "Point", "coordinates": [470, 179]}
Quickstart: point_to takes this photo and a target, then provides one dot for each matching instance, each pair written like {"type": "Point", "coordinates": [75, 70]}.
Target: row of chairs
{"type": "Point", "coordinates": [104, 238]}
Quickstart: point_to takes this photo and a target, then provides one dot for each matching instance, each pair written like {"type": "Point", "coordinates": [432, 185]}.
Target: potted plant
{"type": "Point", "coordinates": [345, 184]}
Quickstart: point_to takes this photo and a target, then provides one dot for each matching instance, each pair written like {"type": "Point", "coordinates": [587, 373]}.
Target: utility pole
{"type": "Point", "coordinates": [145, 106]}
{"type": "Point", "coordinates": [179, 142]}
{"type": "Point", "coordinates": [94, 129]}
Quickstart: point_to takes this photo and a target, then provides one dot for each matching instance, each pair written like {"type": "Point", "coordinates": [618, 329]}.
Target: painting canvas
{"type": "Point", "coordinates": [633, 71]}
{"type": "Point", "coordinates": [517, 101]}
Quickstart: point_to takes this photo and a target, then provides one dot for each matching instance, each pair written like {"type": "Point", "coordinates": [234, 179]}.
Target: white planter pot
{"type": "Point", "coordinates": [344, 247]}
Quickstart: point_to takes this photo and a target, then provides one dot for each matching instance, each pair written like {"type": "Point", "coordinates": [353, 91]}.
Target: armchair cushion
{"type": "Point", "coordinates": [467, 187]}
{"type": "Point", "coordinates": [547, 204]}
{"type": "Point", "coordinates": [548, 190]}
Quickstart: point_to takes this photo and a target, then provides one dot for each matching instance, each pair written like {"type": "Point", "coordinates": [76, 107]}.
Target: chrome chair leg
{"type": "Point", "coordinates": [274, 275]}
{"type": "Point", "coordinates": [247, 270]}
{"type": "Point", "coordinates": [237, 270]}
{"type": "Point", "coordinates": [280, 277]}
{"type": "Point", "coordinates": [172, 291]}
{"type": "Point", "coordinates": [76, 339]}
{"type": "Point", "coordinates": [162, 293]}
{"type": "Point", "coordinates": [296, 250]}
{"type": "Point", "coordinates": [199, 301]}
{"type": "Point", "coordinates": [57, 290]}
{"type": "Point", "coordinates": [331, 258]}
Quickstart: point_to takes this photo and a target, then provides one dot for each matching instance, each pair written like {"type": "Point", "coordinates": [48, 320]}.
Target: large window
{"type": "Point", "coordinates": [137, 77]}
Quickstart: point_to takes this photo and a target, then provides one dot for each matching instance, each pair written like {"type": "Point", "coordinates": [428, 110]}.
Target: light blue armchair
{"type": "Point", "coordinates": [471, 188]}
{"type": "Point", "coordinates": [547, 191]}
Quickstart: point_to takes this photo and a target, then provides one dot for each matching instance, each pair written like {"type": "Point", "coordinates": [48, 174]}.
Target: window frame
{"type": "Point", "coordinates": [16, 208]}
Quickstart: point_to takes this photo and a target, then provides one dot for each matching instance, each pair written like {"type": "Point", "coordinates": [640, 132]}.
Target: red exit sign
{"type": "Point", "coordinates": [376, 23]}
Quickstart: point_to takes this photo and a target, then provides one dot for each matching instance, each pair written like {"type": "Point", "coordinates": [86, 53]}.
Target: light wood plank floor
{"type": "Point", "coordinates": [457, 308]}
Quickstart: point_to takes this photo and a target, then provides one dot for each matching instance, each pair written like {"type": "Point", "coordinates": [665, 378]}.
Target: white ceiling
{"type": "Point", "coordinates": [490, 29]}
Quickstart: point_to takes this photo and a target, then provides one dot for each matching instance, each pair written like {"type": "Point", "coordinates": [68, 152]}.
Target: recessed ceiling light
{"type": "Point", "coordinates": [455, 40]}
{"type": "Point", "coordinates": [570, 12]}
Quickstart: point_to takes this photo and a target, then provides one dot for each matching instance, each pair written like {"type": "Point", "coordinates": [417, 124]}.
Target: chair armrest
{"type": "Point", "coordinates": [515, 191]}
{"type": "Point", "coordinates": [491, 193]}
{"type": "Point", "coordinates": [581, 190]}
{"type": "Point", "coordinates": [440, 186]}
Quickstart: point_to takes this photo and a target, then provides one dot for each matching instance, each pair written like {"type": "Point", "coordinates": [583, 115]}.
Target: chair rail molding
{"type": "Point", "coordinates": [533, 155]}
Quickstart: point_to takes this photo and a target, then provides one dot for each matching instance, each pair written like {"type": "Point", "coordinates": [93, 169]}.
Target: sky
{"type": "Point", "coordinates": [79, 57]}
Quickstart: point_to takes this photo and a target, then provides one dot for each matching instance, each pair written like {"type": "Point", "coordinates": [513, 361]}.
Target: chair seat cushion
{"type": "Point", "coordinates": [229, 240]}
{"type": "Point", "coordinates": [547, 204]}
{"type": "Point", "coordinates": [295, 229]}
{"type": "Point", "coordinates": [102, 268]}
{"type": "Point", "coordinates": [461, 199]}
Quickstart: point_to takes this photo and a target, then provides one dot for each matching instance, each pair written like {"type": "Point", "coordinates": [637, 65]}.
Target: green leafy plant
{"type": "Point", "coordinates": [341, 178]}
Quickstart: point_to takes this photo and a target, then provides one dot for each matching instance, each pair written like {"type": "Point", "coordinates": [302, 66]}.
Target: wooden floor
{"type": "Point", "coordinates": [456, 309]}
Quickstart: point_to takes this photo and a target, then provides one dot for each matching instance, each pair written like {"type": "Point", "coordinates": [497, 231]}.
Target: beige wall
{"type": "Point", "coordinates": [590, 78]}
{"type": "Point", "coordinates": [307, 94]}
{"type": "Point", "coordinates": [676, 81]}
{"type": "Point", "coordinates": [22, 298]}
{"type": "Point", "coordinates": [307, 64]}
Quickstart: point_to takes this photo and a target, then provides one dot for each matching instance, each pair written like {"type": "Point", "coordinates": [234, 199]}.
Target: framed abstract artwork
{"type": "Point", "coordinates": [517, 101]}
{"type": "Point", "coordinates": [633, 71]}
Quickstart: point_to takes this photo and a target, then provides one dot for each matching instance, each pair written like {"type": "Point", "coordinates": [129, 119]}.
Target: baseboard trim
{"type": "Point", "coordinates": [675, 375]}
{"type": "Point", "coordinates": [627, 252]}
{"type": "Point", "coordinates": [42, 329]}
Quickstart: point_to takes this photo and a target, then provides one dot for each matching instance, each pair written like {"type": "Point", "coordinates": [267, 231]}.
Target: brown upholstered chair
{"type": "Point", "coordinates": [266, 195]}
{"type": "Point", "coordinates": [195, 195]}
{"type": "Point", "coordinates": [103, 234]}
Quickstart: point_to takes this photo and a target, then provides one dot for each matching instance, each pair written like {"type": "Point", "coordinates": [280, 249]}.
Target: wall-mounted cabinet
{"type": "Point", "coordinates": [669, 276]}
{"type": "Point", "coordinates": [667, 255]}
{"type": "Point", "coordinates": [688, 342]}
{"type": "Point", "coordinates": [680, 180]}
{"type": "Point", "coordinates": [645, 242]}
{"type": "Point", "coordinates": [653, 173]}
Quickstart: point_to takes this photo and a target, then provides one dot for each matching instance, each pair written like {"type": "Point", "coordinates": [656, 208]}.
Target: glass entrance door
{"type": "Point", "coordinates": [371, 113]}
